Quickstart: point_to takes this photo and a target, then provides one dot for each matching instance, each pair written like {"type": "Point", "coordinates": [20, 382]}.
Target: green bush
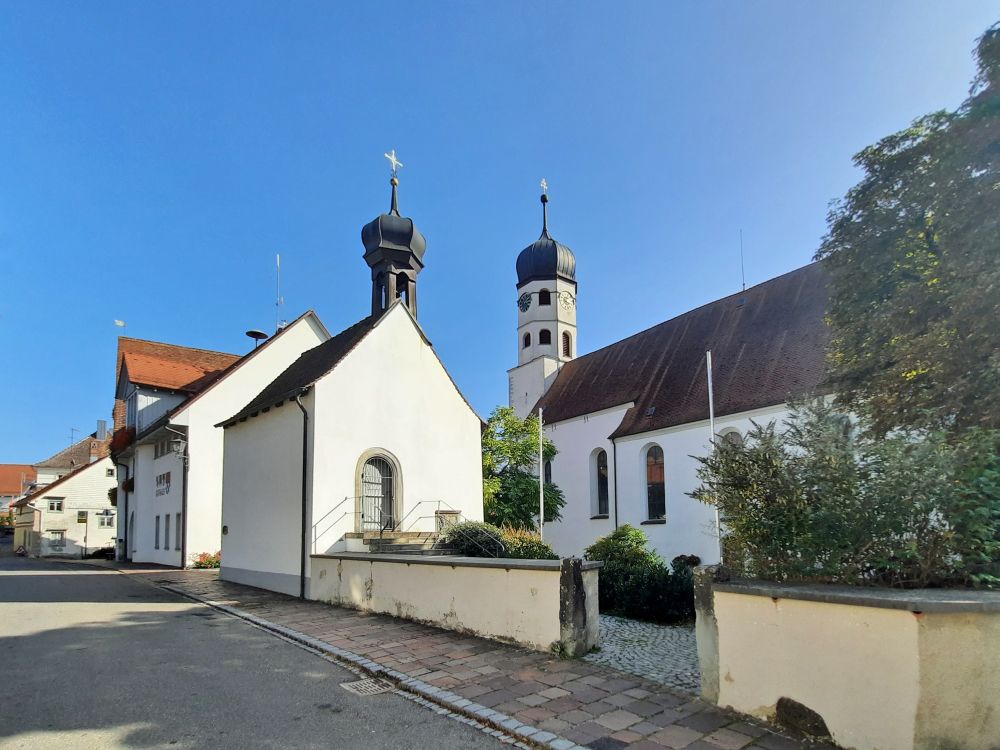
{"type": "Point", "coordinates": [476, 539]}
{"type": "Point", "coordinates": [635, 582]}
{"type": "Point", "coordinates": [526, 545]}
{"type": "Point", "coordinates": [828, 500]}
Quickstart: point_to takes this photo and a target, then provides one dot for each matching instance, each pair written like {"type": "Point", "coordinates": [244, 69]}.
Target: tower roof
{"type": "Point", "coordinates": [545, 258]}
{"type": "Point", "coordinates": [393, 231]}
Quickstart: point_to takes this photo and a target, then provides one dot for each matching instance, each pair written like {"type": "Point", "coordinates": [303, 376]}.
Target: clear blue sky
{"type": "Point", "coordinates": [155, 156]}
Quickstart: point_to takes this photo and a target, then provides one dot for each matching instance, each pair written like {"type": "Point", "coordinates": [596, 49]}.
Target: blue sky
{"type": "Point", "coordinates": [155, 156]}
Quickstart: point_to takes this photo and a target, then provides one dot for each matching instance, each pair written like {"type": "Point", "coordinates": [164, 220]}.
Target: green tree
{"type": "Point", "coordinates": [914, 256]}
{"type": "Point", "coordinates": [510, 481]}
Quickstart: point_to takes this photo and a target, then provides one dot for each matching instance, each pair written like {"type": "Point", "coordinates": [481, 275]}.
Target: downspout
{"type": "Point", "coordinates": [614, 463]}
{"type": "Point", "coordinates": [305, 454]}
{"type": "Point", "coordinates": [125, 549]}
{"type": "Point", "coordinates": [184, 496]}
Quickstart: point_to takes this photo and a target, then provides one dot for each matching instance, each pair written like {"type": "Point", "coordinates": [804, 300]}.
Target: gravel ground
{"type": "Point", "coordinates": [666, 654]}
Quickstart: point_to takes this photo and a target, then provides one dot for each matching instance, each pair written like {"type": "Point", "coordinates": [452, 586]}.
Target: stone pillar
{"type": "Point", "coordinates": [578, 607]}
{"type": "Point", "coordinates": [706, 631]}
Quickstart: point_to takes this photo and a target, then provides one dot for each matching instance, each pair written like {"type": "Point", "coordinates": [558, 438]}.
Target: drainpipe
{"type": "Point", "coordinates": [305, 529]}
{"type": "Point", "coordinates": [184, 494]}
{"type": "Point", "coordinates": [614, 463]}
{"type": "Point", "coordinates": [125, 549]}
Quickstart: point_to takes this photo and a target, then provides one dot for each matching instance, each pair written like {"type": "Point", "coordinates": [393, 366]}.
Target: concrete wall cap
{"type": "Point", "coordinates": [458, 562]}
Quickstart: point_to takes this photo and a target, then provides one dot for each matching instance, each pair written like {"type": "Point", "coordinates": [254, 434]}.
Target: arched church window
{"type": "Point", "coordinates": [377, 493]}
{"type": "Point", "coordinates": [527, 340]}
{"type": "Point", "coordinates": [544, 297]}
{"type": "Point", "coordinates": [547, 472]}
{"type": "Point", "coordinates": [656, 497]}
{"type": "Point", "coordinates": [601, 477]}
{"type": "Point", "coordinates": [567, 345]}
{"type": "Point", "coordinates": [545, 337]}
{"type": "Point", "coordinates": [380, 290]}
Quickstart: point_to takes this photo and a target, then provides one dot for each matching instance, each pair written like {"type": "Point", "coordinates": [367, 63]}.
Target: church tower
{"type": "Point", "coordinates": [546, 315]}
{"type": "Point", "coordinates": [394, 250]}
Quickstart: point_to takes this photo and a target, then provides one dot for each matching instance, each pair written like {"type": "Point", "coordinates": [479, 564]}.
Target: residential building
{"type": "Point", "coordinates": [628, 418]}
{"type": "Point", "coordinates": [85, 451]}
{"type": "Point", "coordinates": [72, 516]}
{"type": "Point", "coordinates": [363, 435]}
{"type": "Point", "coordinates": [15, 480]}
{"type": "Point", "coordinates": [168, 450]}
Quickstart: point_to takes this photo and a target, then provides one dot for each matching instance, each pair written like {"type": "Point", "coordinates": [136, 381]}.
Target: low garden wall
{"type": "Point", "coordinates": [878, 669]}
{"type": "Point", "coordinates": [542, 604]}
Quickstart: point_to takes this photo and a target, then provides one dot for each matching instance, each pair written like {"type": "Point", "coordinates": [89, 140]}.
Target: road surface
{"type": "Point", "coordinates": [91, 658]}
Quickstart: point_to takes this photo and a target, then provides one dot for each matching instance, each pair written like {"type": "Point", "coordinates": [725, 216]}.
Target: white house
{"type": "Point", "coordinates": [628, 418]}
{"type": "Point", "coordinates": [364, 434]}
{"type": "Point", "coordinates": [71, 516]}
{"type": "Point", "coordinates": [169, 452]}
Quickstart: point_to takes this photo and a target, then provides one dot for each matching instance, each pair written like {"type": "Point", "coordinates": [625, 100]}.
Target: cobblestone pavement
{"type": "Point", "coordinates": [666, 654]}
{"type": "Point", "coordinates": [571, 703]}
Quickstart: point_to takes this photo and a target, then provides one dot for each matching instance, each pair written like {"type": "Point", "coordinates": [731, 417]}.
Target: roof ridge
{"type": "Point", "coordinates": [178, 346]}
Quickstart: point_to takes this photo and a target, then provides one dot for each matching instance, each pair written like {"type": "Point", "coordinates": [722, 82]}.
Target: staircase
{"type": "Point", "coordinates": [408, 543]}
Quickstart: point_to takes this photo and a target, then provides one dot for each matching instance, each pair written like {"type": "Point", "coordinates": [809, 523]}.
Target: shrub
{"type": "Point", "coordinates": [526, 545]}
{"type": "Point", "coordinates": [476, 539]}
{"type": "Point", "coordinates": [828, 500]}
{"type": "Point", "coordinates": [635, 582]}
{"type": "Point", "coordinates": [207, 560]}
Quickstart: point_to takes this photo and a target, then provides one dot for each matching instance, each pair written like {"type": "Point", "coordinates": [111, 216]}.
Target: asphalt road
{"type": "Point", "coordinates": [93, 659]}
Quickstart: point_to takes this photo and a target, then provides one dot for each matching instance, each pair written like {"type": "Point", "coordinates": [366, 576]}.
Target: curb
{"type": "Point", "coordinates": [464, 707]}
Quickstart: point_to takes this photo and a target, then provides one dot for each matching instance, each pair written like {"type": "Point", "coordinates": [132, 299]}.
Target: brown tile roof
{"type": "Point", "coordinates": [767, 343]}
{"type": "Point", "coordinates": [78, 454]}
{"type": "Point", "coordinates": [161, 365]}
{"type": "Point", "coordinates": [14, 478]}
{"type": "Point", "coordinates": [307, 369]}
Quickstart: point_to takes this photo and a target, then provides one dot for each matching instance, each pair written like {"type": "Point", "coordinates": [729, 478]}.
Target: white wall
{"type": "Point", "coordinates": [527, 383]}
{"type": "Point", "coordinates": [391, 393]}
{"type": "Point", "coordinates": [85, 491]}
{"type": "Point", "coordinates": [690, 525]}
{"type": "Point", "coordinates": [262, 499]}
{"type": "Point", "coordinates": [147, 505]}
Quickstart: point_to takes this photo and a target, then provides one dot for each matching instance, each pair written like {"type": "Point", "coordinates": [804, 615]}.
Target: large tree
{"type": "Point", "coordinates": [914, 256]}
{"type": "Point", "coordinates": [510, 471]}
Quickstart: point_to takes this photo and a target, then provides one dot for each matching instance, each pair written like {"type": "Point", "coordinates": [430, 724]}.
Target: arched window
{"type": "Point", "coordinates": [377, 494]}
{"type": "Point", "coordinates": [544, 297]}
{"type": "Point", "coordinates": [601, 476]}
{"type": "Point", "coordinates": [545, 337]}
{"type": "Point", "coordinates": [567, 348]}
{"type": "Point", "coordinates": [547, 472]}
{"type": "Point", "coordinates": [656, 497]}
{"type": "Point", "coordinates": [527, 340]}
{"type": "Point", "coordinates": [403, 287]}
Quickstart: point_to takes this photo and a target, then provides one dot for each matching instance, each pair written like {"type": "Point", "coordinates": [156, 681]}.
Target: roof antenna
{"type": "Point", "coordinates": [743, 273]}
{"type": "Point", "coordinates": [279, 322]}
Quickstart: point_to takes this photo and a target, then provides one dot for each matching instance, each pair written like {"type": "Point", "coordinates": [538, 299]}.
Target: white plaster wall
{"type": "Point", "coordinates": [554, 317]}
{"type": "Point", "coordinates": [527, 383]}
{"type": "Point", "coordinates": [205, 440]}
{"type": "Point", "coordinates": [87, 490]}
{"type": "Point", "coordinates": [261, 499]}
{"type": "Point", "coordinates": [392, 393]}
{"type": "Point", "coordinates": [690, 525]}
{"type": "Point", "coordinates": [147, 505]}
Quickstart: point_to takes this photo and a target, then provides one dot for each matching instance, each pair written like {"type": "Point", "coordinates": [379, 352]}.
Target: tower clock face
{"type": "Point", "coordinates": [524, 302]}
{"type": "Point", "coordinates": [566, 300]}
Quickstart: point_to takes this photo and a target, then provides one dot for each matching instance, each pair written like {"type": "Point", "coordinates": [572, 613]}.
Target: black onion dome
{"type": "Point", "coordinates": [545, 258]}
{"type": "Point", "coordinates": [393, 231]}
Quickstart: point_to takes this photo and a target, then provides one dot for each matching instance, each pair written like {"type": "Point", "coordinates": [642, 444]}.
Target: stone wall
{"type": "Point", "coordinates": [548, 605]}
{"type": "Point", "coordinates": [874, 669]}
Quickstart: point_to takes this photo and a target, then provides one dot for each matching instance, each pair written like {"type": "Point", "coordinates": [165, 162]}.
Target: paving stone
{"type": "Point", "coordinates": [533, 700]}
{"type": "Point", "coordinates": [553, 692]}
{"type": "Point", "coordinates": [745, 727]}
{"type": "Point", "coordinates": [676, 737]}
{"type": "Point", "coordinates": [776, 742]}
{"type": "Point", "coordinates": [728, 739]}
{"type": "Point", "coordinates": [607, 743]}
{"type": "Point", "coordinates": [705, 721]}
{"type": "Point", "coordinates": [617, 720]}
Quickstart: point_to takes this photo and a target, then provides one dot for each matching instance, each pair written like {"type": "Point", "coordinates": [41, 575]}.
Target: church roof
{"type": "Point", "coordinates": [306, 370]}
{"type": "Point", "coordinates": [767, 343]}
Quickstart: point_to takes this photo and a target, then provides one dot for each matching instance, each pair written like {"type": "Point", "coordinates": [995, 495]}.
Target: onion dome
{"type": "Point", "coordinates": [392, 231]}
{"type": "Point", "coordinates": [545, 258]}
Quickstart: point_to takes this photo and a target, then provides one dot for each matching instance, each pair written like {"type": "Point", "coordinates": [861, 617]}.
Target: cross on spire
{"type": "Point", "coordinates": [545, 186]}
{"type": "Point", "coordinates": [396, 163]}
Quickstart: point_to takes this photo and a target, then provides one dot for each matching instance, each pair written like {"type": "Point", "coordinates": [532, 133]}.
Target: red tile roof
{"type": "Point", "coordinates": [15, 477]}
{"type": "Point", "coordinates": [80, 453]}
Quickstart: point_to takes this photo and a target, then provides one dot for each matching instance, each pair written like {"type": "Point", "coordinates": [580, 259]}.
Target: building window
{"type": "Point", "coordinates": [547, 472]}
{"type": "Point", "coordinates": [601, 477]}
{"type": "Point", "coordinates": [567, 348]}
{"type": "Point", "coordinates": [177, 532]}
{"type": "Point", "coordinates": [545, 337]}
{"type": "Point", "coordinates": [56, 506]}
{"type": "Point", "coordinates": [527, 340]}
{"type": "Point", "coordinates": [105, 522]}
{"type": "Point", "coordinates": [161, 448]}
{"type": "Point", "coordinates": [378, 489]}
{"type": "Point", "coordinates": [109, 472]}
{"type": "Point", "coordinates": [166, 531]}
{"type": "Point", "coordinates": [656, 498]}
{"type": "Point", "coordinates": [156, 534]}
{"type": "Point", "coordinates": [57, 538]}
{"type": "Point", "coordinates": [544, 297]}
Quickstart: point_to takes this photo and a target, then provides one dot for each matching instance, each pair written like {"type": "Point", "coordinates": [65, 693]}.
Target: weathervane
{"type": "Point", "coordinates": [396, 163]}
{"type": "Point", "coordinates": [545, 186]}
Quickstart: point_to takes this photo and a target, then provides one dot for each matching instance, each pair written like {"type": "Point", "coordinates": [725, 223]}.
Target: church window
{"type": "Point", "coordinates": [656, 498]}
{"type": "Point", "coordinates": [547, 472]}
{"type": "Point", "coordinates": [378, 493]}
{"type": "Point", "coordinates": [545, 337]}
{"type": "Point", "coordinates": [545, 297]}
{"type": "Point", "coordinates": [527, 340]}
{"type": "Point", "coordinates": [601, 482]}
{"type": "Point", "coordinates": [567, 345]}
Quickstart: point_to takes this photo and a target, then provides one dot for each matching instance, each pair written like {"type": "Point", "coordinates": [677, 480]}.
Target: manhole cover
{"type": "Point", "coordinates": [369, 686]}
